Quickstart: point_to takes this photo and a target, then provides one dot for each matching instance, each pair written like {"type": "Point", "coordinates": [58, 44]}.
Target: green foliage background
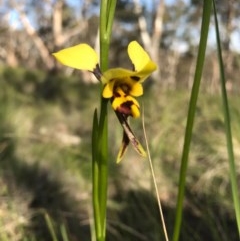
{"type": "Point", "coordinates": [45, 167]}
{"type": "Point", "coordinates": [46, 124]}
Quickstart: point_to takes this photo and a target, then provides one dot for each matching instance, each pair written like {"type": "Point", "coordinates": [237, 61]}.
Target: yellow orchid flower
{"type": "Point", "coordinates": [120, 85]}
{"type": "Point", "coordinates": [129, 82]}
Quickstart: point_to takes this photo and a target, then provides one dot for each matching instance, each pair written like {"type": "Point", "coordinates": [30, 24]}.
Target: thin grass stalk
{"type": "Point", "coordinates": [227, 121]}
{"type": "Point", "coordinates": [154, 180]}
{"type": "Point", "coordinates": [207, 6]}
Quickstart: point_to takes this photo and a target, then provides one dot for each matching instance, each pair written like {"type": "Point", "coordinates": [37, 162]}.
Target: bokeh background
{"type": "Point", "coordinates": [46, 115]}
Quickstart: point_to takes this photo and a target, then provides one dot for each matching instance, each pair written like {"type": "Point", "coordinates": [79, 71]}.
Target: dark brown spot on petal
{"type": "Point", "coordinates": [116, 94]}
{"type": "Point", "coordinates": [121, 89]}
{"type": "Point", "coordinates": [125, 88]}
{"type": "Point", "coordinates": [135, 78]}
{"type": "Point", "coordinates": [125, 108]}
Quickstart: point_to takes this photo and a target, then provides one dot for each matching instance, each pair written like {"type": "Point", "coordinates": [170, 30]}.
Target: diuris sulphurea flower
{"type": "Point", "coordinates": [121, 86]}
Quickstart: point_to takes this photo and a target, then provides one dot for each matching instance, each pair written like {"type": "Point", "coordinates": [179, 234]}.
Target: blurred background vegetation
{"type": "Point", "coordinates": [46, 115]}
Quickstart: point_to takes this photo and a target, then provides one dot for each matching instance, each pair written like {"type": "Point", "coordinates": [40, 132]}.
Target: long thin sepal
{"type": "Point", "coordinates": [131, 136]}
{"type": "Point", "coordinates": [123, 148]}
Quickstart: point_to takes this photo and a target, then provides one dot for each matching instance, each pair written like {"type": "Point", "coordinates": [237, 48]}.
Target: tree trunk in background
{"type": "Point", "coordinates": [152, 41]}
{"type": "Point", "coordinates": [32, 33]}
{"type": "Point", "coordinates": [10, 52]}
{"type": "Point", "coordinates": [60, 36]}
{"type": "Point", "coordinates": [11, 58]}
{"type": "Point", "coordinates": [43, 50]}
{"type": "Point", "coordinates": [57, 23]}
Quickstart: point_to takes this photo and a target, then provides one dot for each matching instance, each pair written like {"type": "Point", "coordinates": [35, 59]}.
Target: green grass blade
{"type": "Point", "coordinates": [50, 227]}
{"type": "Point", "coordinates": [64, 233]}
{"type": "Point", "coordinates": [207, 6]}
{"type": "Point", "coordinates": [227, 120]}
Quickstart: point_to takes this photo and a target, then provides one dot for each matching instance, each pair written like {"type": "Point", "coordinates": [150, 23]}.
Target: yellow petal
{"type": "Point", "coordinates": [136, 90]}
{"type": "Point", "coordinates": [135, 102]}
{"type": "Point", "coordinates": [124, 74]}
{"type": "Point", "coordinates": [135, 111]}
{"type": "Point", "coordinates": [143, 65]}
{"type": "Point", "coordinates": [120, 76]}
{"type": "Point", "coordinates": [117, 73]}
{"type": "Point", "coordinates": [138, 55]}
{"type": "Point", "coordinates": [132, 109]}
{"type": "Point", "coordinates": [108, 90]}
{"type": "Point", "coordinates": [81, 56]}
{"type": "Point", "coordinates": [117, 102]}
{"type": "Point", "coordinates": [147, 70]}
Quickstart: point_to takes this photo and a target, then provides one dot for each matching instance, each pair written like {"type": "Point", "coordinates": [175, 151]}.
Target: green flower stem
{"type": "Point", "coordinates": [100, 128]}
{"type": "Point", "coordinates": [207, 6]}
{"type": "Point", "coordinates": [232, 167]}
{"type": "Point", "coordinates": [95, 176]}
{"type": "Point", "coordinates": [103, 165]}
{"type": "Point", "coordinates": [107, 10]}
